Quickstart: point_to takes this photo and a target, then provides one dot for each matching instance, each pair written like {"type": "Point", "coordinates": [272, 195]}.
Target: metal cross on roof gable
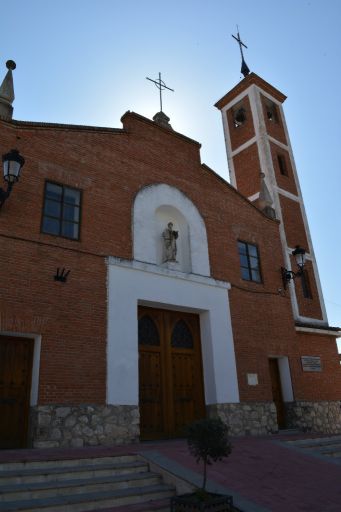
{"type": "Point", "coordinates": [244, 69]}
{"type": "Point", "coordinates": [160, 84]}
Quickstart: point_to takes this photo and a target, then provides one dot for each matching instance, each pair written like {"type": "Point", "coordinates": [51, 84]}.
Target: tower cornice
{"type": "Point", "coordinates": [251, 79]}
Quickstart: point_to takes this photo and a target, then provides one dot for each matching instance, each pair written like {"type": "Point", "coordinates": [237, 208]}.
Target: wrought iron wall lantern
{"type": "Point", "coordinates": [288, 275]}
{"type": "Point", "coordinates": [12, 165]}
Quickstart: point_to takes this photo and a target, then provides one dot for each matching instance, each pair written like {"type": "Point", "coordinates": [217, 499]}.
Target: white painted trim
{"type": "Point", "coordinates": [288, 194]}
{"type": "Point", "coordinates": [154, 207]}
{"type": "Point", "coordinates": [285, 377]}
{"type": "Point", "coordinates": [132, 283]}
{"type": "Point", "coordinates": [278, 143]}
{"type": "Point", "coordinates": [244, 146]}
{"type": "Point", "coordinates": [253, 197]}
{"type": "Point", "coordinates": [336, 334]}
{"type": "Point", "coordinates": [308, 320]}
{"type": "Point", "coordinates": [238, 98]}
{"type": "Point", "coordinates": [228, 147]}
{"type": "Point", "coordinates": [307, 255]}
{"type": "Point", "coordinates": [174, 274]}
{"type": "Point", "coordinates": [35, 362]}
{"type": "Point", "coordinates": [269, 96]}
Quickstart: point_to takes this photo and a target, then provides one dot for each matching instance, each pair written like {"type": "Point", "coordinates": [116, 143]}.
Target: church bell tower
{"type": "Point", "coordinates": [262, 168]}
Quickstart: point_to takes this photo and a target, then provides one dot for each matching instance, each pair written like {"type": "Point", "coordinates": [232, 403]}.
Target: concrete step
{"type": "Point", "coordinates": [8, 466]}
{"type": "Point", "coordinates": [149, 506]}
{"type": "Point", "coordinates": [318, 441]}
{"type": "Point", "coordinates": [79, 485]}
{"type": "Point", "coordinates": [289, 431]}
{"type": "Point", "coordinates": [329, 446]}
{"type": "Point", "coordinates": [42, 490]}
{"type": "Point", "coordinates": [59, 472]}
{"type": "Point", "coordinates": [90, 501]}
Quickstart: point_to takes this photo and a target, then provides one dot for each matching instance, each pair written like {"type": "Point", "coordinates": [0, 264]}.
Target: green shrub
{"type": "Point", "coordinates": [208, 441]}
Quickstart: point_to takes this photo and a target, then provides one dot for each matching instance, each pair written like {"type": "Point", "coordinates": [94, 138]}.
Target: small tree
{"type": "Point", "coordinates": [208, 441]}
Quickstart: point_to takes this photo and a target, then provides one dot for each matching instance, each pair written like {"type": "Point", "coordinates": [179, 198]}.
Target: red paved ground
{"type": "Point", "coordinates": [259, 469]}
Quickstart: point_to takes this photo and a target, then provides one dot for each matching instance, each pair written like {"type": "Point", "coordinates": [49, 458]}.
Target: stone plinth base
{"type": "Point", "coordinates": [323, 417]}
{"type": "Point", "coordinates": [246, 418]}
{"type": "Point", "coordinates": [55, 426]}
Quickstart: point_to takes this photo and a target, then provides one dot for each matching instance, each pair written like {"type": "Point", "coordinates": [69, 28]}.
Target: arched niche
{"type": "Point", "coordinates": [154, 207]}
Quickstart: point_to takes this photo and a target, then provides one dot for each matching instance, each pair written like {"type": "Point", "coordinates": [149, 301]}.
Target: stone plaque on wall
{"type": "Point", "coordinates": [311, 363]}
{"type": "Point", "coordinates": [252, 379]}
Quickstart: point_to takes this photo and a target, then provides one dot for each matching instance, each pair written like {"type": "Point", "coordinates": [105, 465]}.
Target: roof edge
{"type": "Point", "coordinates": [61, 126]}
{"type": "Point", "coordinates": [146, 120]}
{"type": "Point", "coordinates": [251, 79]}
{"type": "Point", "coordinates": [322, 329]}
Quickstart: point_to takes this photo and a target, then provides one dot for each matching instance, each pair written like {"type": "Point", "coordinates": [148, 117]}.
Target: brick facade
{"type": "Point", "coordinates": [110, 167]}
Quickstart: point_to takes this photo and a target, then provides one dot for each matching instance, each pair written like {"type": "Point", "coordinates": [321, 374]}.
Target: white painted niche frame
{"type": "Point", "coordinates": [154, 207]}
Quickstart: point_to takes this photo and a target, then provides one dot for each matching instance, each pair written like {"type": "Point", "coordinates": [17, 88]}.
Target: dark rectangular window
{"type": "Point", "coordinates": [61, 214]}
{"type": "Point", "coordinates": [282, 165]}
{"type": "Point", "coordinates": [306, 288]}
{"type": "Point", "coordinates": [249, 262]}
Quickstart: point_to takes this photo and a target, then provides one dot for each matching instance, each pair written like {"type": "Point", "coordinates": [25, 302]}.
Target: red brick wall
{"type": "Point", "coordinates": [293, 223]}
{"type": "Point", "coordinates": [247, 170]}
{"type": "Point", "coordinates": [309, 307]}
{"type": "Point", "coordinates": [325, 385]}
{"type": "Point", "coordinates": [71, 316]}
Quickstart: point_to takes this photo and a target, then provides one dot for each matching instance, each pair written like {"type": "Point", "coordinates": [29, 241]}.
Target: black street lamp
{"type": "Point", "coordinates": [12, 163]}
{"type": "Point", "coordinates": [288, 275]}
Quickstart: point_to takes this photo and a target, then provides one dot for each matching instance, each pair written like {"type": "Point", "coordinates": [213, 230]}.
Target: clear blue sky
{"type": "Point", "coordinates": [85, 62]}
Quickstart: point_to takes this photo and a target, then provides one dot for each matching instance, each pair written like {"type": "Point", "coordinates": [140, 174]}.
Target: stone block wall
{"type": "Point", "coordinates": [55, 426]}
{"type": "Point", "coordinates": [246, 418]}
{"type": "Point", "coordinates": [324, 416]}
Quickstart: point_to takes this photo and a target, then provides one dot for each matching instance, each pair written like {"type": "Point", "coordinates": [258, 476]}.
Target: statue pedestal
{"type": "Point", "coordinates": [171, 265]}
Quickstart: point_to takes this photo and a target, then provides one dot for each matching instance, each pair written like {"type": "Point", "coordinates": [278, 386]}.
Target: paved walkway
{"type": "Point", "coordinates": [263, 474]}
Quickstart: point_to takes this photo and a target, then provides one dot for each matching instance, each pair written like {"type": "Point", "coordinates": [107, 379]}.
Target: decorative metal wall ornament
{"type": "Point", "coordinates": [61, 275]}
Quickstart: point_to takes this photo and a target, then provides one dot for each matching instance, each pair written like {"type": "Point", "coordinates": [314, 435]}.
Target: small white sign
{"type": "Point", "coordinates": [252, 379]}
{"type": "Point", "coordinates": [311, 363]}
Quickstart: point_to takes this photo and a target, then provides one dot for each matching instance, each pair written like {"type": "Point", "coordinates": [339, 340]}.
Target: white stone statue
{"type": "Point", "coordinates": [169, 238]}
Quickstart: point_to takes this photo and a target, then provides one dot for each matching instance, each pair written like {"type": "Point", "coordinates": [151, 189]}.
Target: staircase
{"type": "Point", "coordinates": [118, 483]}
{"type": "Point", "coordinates": [327, 446]}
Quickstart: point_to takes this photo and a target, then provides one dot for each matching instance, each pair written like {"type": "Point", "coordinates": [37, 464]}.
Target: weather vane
{"type": "Point", "coordinates": [160, 84]}
{"type": "Point", "coordinates": [244, 69]}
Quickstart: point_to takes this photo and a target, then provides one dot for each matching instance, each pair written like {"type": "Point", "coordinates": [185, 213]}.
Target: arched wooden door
{"type": "Point", "coordinates": [170, 372]}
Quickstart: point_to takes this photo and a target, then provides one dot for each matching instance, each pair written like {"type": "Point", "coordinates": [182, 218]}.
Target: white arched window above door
{"type": "Point", "coordinates": [154, 207]}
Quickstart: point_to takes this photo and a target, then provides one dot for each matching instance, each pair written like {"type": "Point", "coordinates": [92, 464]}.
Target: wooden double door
{"type": "Point", "coordinates": [171, 393]}
{"type": "Point", "coordinates": [15, 386]}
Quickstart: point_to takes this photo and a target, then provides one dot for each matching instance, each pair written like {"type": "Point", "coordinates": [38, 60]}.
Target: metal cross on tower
{"type": "Point", "coordinates": [160, 84]}
{"type": "Point", "coordinates": [244, 69]}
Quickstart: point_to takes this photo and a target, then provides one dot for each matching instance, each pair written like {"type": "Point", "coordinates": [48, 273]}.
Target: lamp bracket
{"type": "Point", "coordinates": [288, 275]}
{"type": "Point", "coordinates": [4, 194]}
